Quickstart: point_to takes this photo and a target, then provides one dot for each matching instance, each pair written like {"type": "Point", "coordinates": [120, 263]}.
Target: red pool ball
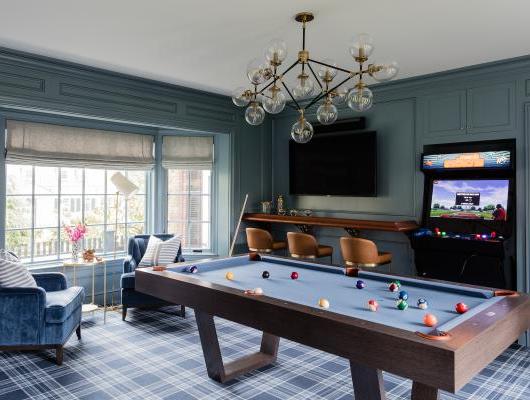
{"type": "Point", "coordinates": [294, 275]}
{"type": "Point", "coordinates": [461, 308]}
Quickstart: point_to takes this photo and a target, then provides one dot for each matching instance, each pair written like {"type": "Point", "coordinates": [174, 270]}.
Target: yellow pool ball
{"type": "Point", "coordinates": [229, 275]}
{"type": "Point", "coordinates": [323, 303]}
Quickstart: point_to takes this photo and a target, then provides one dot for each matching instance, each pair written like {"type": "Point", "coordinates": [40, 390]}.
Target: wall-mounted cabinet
{"type": "Point", "coordinates": [480, 109]}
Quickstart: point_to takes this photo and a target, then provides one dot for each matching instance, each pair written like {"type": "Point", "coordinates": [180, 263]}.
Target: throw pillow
{"type": "Point", "coordinates": [15, 274]}
{"type": "Point", "coordinates": [168, 250]}
{"type": "Point", "coordinates": [148, 259]}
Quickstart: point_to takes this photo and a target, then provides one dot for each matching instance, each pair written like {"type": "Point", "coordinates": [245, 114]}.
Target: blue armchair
{"type": "Point", "coordinates": [40, 318]}
{"type": "Point", "coordinates": [129, 297]}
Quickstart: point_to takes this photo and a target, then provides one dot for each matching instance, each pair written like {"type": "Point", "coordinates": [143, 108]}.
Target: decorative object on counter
{"type": "Point", "coordinates": [280, 205]}
{"type": "Point", "coordinates": [89, 256]}
{"type": "Point", "coordinates": [266, 207]}
{"type": "Point", "coordinates": [303, 213]}
{"type": "Point", "coordinates": [75, 235]}
{"type": "Point", "coordinates": [272, 96]}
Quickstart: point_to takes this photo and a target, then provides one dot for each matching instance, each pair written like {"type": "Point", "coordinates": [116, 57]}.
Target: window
{"type": "Point", "coordinates": [189, 207]}
{"type": "Point", "coordinates": [41, 200]}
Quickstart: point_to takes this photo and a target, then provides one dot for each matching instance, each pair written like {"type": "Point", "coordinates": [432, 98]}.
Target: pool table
{"type": "Point", "coordinates": [443, 357]}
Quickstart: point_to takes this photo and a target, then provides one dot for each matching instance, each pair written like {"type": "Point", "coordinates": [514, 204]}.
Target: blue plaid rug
{"type": "Point", "coordinates": [157, 355]}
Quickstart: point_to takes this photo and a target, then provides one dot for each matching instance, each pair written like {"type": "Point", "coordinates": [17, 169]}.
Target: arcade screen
{"type": "Point", "coordinates": [484, 199]}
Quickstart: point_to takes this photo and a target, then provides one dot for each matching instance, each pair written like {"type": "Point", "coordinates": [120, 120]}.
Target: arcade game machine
{"type": "Point", "coordinates": [467, 232]}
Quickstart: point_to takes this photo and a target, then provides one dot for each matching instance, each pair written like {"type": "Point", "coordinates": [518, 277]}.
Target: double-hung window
{"type": "Point", "coordinates": [46, 191]}
{"type": "Point", "coordinates": [189, 166]}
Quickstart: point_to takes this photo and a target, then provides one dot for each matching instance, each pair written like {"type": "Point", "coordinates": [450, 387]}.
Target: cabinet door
{"type": "Point", "coordinates": [491, 108]}
{"type": "Point", "coordinates": [445, 113]}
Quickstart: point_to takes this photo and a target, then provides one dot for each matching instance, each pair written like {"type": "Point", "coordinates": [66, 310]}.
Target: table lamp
{"type": "Point", "coordinates": [125, 187]}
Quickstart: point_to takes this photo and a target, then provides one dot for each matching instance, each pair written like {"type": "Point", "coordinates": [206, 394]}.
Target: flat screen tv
{"type": "Point", "coordinates": [472, 199]}
{"type": "Point", "coordinates": [334, 164]}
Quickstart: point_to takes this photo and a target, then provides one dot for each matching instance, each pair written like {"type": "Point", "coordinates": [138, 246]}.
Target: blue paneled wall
{"type": "Point", "coordinates": [484, 102]}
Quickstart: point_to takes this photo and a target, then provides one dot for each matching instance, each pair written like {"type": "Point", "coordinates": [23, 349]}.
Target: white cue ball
{"type": "Point", "coordinates": [258, 291]}
{"type": "Point", "coordinates": [323, 303]}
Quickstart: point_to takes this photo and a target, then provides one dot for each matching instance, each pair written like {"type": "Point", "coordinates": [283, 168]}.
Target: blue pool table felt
{"type": "Point", "coordinates": [316, 281]}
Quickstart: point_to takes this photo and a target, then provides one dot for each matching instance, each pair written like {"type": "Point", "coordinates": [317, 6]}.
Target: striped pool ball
{"type": "Point", "coordinates": [373, 305]}
{"type": "Point", "coordinates": [402, 305]}
{"type": "Point", "coordinates": [422, 304]}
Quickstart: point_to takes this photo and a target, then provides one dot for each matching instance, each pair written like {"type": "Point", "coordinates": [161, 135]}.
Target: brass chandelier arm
{"type": "Point", "coordinates": [291, 95]}
{"type": "Point", "coordinates": [278, 77]}
{"type": "Point", "coordinates": [322, 95]}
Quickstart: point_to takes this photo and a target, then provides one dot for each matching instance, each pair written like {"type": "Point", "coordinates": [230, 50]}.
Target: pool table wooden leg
{"type": "Point", "coordinates": [367, 382]}
{"type": "Point", "coordinates": [424, 392]}
{"type": "Point", "coordinates": [221, 372]}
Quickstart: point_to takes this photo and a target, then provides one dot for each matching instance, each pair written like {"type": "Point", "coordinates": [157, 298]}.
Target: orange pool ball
{"type": "Point", "coordinates": [430, 320]}
{"type": "Point", "coordinates": [230, 276]}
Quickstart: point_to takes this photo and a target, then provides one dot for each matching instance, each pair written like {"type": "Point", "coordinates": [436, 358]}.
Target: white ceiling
{"type": "Point", "coordinates": [206, 44]}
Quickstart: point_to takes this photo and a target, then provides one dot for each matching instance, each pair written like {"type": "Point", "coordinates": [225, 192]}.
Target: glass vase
{"type": "Point", "coordinates": [75, 252]}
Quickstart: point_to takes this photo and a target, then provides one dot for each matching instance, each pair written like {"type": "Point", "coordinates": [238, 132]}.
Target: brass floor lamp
{"type": "Point", "coordinates": [125, 187]}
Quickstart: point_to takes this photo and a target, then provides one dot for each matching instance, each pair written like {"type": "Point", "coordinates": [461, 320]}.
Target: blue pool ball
{"type": "Point", "coordinates": [265, 275]}
{"type": "Point", "coordinates": [192, 269]}
{"type": "Point", "coordinates": [403, 295]}
{"type": "Point", "coordinates": [360, 284]}
{"type": "Point", "coordinates": [422, 304]}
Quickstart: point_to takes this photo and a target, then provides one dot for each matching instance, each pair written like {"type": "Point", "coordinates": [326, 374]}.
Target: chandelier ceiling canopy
{"type": "Point", "coordinates": [328, 85]}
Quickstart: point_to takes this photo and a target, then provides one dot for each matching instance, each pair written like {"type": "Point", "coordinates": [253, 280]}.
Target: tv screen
{"type": "Point", "coordinates": [334, 164]}
{"type": "Point", "coordinates": [484, 199]}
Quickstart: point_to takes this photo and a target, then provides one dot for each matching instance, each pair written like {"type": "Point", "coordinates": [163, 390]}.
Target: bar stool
{"type": "Point", "coordinates": [261, 241]}
{"type": "Point", "coordinates": [303, 245]}
{"type": "Point", "coordinates": [361, 253]}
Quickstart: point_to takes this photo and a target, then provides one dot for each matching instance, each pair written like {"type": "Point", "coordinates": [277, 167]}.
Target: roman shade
{"type": "Point", "coordinates": [190, 152]}
{"type": "Point", "coordinates": [47, 144]}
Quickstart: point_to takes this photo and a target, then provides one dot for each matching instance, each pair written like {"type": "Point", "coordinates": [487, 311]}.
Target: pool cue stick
{"type": "Point", "coordinates": [238, 225]}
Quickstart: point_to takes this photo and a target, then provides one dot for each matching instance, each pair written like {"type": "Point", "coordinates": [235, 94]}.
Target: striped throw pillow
{"type": "Point", "coordinates": [148, 259]}
{"type": "Point", "coordinates": [167, 251]}
{"type": "Point", "coordinates": [15, 274]}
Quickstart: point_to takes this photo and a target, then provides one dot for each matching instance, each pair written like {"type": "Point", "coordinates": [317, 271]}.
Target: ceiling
{"type": "Point", "coordinates": [206, 44]}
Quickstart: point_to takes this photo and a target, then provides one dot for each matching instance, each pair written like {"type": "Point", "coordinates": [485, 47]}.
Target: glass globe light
{"type": "Point", "coordinates": [304, 88]}
{"type": "Point", "coordinates": [276, 51]}
{"type": "Point", "coordinates": [275, 102]}
{"type": "Point", "coordinates": [340, 95]}
{"type": "Point", "coordinates": [258, 71]}
{"type": "Point", "coordinates": [302, 131]}
{"type": "Point", "coordinates": [327, 113]}
{"type": "Point", "coordinates": [362, 46]}
{"type": "Point", "coordinates": [327, 73]}
{"type": "Point", "coordinates": [240, 97]}
{"type": "Point", "coordinates": [254, 114]}
{"type": "Point", "coordinates": [385, 71]}
{"type": "Point", "coordinates": [360, 98]}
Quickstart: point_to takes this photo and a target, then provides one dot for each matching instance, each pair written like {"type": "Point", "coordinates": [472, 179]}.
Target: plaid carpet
{"type": "Point", "coordinates": [157, 355]}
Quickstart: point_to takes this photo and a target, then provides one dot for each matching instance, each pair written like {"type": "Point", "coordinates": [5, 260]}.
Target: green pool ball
{"type": "Point", "coordinates": [402, 305]}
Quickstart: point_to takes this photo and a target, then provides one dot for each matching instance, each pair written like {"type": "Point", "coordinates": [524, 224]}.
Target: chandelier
{"type": "Point", "coordinates": [268, 91]}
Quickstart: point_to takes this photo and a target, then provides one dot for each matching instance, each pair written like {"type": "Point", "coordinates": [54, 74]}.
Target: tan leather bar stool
{"type": "Point", "coordinates": [363, 253]}
{"type": "Point", "coordinates": [261, 241]}
{"type": "Point", "coordinates": [303, 245]}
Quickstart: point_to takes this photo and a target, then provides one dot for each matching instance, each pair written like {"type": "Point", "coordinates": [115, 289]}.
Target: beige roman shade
{"type": "Point", "coordinates": [190, 152]}
{"type": "Point", "coordinates": [30, 142]}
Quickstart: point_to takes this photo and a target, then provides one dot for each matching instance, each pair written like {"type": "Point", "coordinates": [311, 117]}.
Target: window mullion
{"type": "Point", "coordinates": [33, 217]}
{"type": "Point", "coordinates": [59, 196]}
{"type": "Point", "coordinates": [105, 210]}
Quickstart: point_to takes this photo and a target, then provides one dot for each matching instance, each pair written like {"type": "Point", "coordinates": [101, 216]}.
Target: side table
{"type": "Point", "coordinates": [92, 306]}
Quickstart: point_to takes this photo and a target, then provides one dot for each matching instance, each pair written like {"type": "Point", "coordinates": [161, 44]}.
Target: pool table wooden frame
{"type": "Point", "coordinates": [370, 347]}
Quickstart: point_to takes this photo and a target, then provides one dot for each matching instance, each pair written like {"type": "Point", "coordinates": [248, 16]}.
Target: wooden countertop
{"type": "Point", "coordinates": [359, 224]}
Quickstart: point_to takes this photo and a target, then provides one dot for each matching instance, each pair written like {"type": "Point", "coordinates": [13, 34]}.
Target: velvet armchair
{"type": "Point", "coordinates": [40, 318]}
{"type": "Point", "coordinates": [129, 297]}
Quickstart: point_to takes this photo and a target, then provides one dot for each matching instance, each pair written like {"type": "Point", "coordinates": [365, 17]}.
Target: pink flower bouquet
{"type": "Point", "coordinates": [76, 233]}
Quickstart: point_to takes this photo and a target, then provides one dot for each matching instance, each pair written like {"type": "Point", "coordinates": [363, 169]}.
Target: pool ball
{"type": "Point", "coordinates": [192, 269]}
{"type": "Point", "coordinates": [294, 275]}
{"type": "Point", "coordinates": [323, 303]}
{"type": "Point", "coordinates": [265, 275]}
{"type": "Point", "coordinates": [229, 275]}
{"type": "Point", "coordinates": [422, 304]}
{"type": "Point", "coordinates": [430, 320]}
{"type": "Point", "coordinates": [373, 305]}
{"type": "Point", "coordinates": [393, 287]}
{"type": "Point", "coordinates": [403, 295]}
{"type": "Point", "coordinates": [402, 305]}
{"type": "Point", "coordinates": [461, 308]}
{"type": "Point", "coordinates": [398, 283]}
{"type": "Point", "coordinates": [360, 284]}
{"type": "Point", "coordinates": [258, 291]}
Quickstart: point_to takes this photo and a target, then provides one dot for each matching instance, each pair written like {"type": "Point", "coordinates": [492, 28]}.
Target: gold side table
{"type": "Point", "coordinates": [92, 306]}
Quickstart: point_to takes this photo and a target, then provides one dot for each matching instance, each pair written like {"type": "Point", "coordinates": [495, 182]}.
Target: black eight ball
{"type": "Point", "coordinates": [265, 275]}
